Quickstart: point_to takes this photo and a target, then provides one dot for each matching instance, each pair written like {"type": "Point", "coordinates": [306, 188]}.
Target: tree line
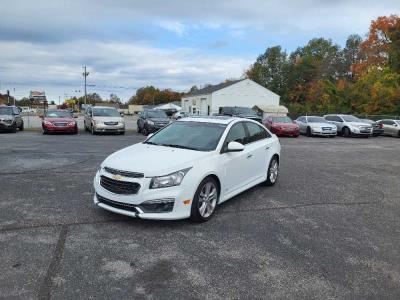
{"type": "Point", "coordinates": [321, 77]}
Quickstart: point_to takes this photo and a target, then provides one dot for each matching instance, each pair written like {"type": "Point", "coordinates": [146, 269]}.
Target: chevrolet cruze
{"type": "Point", "coordinates": [187, 168]}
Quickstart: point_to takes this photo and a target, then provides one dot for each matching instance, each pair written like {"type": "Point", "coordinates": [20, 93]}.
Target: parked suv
{"type": "Point", "coordinates": [241, 112]}
{"type": "Point", "coordinates": [348, 125]}
{"type": "Point", "coordinates": [152, 120]}
{"type": "Point", "coordinates": [10, 119]}
{"type": "Point", "coordinates": [103, 119]}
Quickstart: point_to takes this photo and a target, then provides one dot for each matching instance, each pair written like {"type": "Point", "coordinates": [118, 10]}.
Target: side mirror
{"type": "Point", "coordinates": [235, 147]}
{"type": "Point", "coordinates": [122, 114]}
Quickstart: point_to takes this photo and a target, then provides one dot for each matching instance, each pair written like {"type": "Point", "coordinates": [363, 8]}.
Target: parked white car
{"type": "Point", "coordinates": [187, 168]}
{"type": "Point", "coordinates": [312, 125]}
{"type": "Point", "coordinates": [348, 125]}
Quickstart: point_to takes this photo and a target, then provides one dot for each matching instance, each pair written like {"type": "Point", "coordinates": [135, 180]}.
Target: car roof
{"type": "Point", "coordinates": [211, 119]}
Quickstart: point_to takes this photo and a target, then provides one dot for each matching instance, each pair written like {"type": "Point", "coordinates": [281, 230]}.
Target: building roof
{"type": "Point", "coordinates": [212, 88]}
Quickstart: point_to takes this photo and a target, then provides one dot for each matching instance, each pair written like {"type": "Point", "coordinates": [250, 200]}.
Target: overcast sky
{"type": "Point", "coordinates": [175, 44]}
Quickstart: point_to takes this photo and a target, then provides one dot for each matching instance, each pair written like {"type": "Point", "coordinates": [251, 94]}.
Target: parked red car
{"type": "Point", "coordinates": [60, 120]}
{"type": "Point", "coordinates": [282, 126]}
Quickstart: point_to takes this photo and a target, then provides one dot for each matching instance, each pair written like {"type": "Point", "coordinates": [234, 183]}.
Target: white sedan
{"type": "Point", "coordinates": [186, 169]}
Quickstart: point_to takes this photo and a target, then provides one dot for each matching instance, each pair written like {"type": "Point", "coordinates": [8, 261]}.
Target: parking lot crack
{"type": "Point", "coordinates": [45, 288]}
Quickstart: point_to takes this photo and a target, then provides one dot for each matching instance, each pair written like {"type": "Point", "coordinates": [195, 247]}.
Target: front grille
{"type": "Point", "coordinates": [118, 186]}
{"type": "Point", "coordinates": [60, 124]}
{"type": "Point", "coordinates": [124, 173]}
{"type": "Point", "coordinates": [111, 123]}
{"type": "Point", "coordinates": [326, 128]}
{"type": "Point", "coordinates": [115, 204]}
{"type": "Point", "coordinates": [160, 124]}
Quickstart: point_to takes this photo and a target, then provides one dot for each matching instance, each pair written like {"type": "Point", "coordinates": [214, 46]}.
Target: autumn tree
{"type": "Point", "coordinates": [375, 48]}
{"type": "Point", "coordinates": [394, 48]}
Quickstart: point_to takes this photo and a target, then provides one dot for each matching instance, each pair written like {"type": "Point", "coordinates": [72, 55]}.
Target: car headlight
{"type": "Point", "coordinates": [71, 124]}
{"type": "Point", "coordinates": [150, 122]}
{"type": "Point", "coordinates": [173, 179]}
{"type": "Point", "coordinates": [47, 123]}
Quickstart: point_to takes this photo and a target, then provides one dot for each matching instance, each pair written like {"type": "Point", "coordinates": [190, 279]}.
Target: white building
{"type": "Point", "coordinates": [244, 93]}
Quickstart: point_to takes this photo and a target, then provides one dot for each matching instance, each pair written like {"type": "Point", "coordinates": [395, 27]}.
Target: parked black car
{"type": "Point", "coordinates": [11, 119]}
{"type": "Point", "coordinates": [377, 129]}
{"type": "Point", "coordinates": [152, 120]}
{"type": "Point", "coordinates": [241, 112]}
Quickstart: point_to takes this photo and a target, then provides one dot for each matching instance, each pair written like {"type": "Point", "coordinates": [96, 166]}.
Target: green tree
{"type": "Point", "coordinates": [271, 70]}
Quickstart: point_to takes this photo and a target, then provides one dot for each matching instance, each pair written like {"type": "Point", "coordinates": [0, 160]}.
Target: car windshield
{"type": "Point", "coordinates": [198, 136]}
{"type": "Point", "coordinates": [316, 120]}
{"type": "Point", "coordinates": [350, 119]}
{"type": "Point", "coordinates": [5, 111]}
{"type": "Point", "coordinates": [398, 122]}
{"type": "Point", "coordinates": [244, 111]}
{"type": "Point", "coordinates": [105, 112]}
{"type": "Point", "coordinates": [58, 114]}
{"type": "Point", "coordinates": [282, 120]}
{"type": "Point", "coordinates": [156, 114]}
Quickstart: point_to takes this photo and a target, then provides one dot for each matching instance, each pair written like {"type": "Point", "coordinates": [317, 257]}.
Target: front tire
{"type": "Point", "coordinates": [346, 132]}
{"type": "Point", "coordinates": [308, 133]}
{"type": "Point", "coordinates": [92, 131]}
{"type": "Point", "coordinates": [21, 128]}
{"type": "Point", "coordinates": [205, 200]}
{"type": "Point", "coordinates": [273, 171]}
{"type": "Point", "coordinates": [144, 131]}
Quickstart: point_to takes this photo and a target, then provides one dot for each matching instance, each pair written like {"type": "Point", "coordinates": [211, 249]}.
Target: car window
{"type": "Point", "coordinates": [237, 133]}
{"type": "Point", "coordinates": [256, 132]}
{"type": "Point", "coordinates": [16, 111]}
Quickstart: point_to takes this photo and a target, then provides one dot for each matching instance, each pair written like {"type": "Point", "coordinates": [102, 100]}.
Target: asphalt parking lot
{"type": "Point", "coordinates": [330, 227]}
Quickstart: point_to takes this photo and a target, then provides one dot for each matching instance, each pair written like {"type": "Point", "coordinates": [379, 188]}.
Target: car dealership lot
{"type": "Point", "coordinates": [329, 228]}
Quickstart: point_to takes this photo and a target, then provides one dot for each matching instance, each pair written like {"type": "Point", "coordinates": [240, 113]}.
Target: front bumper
{"type": "Point", "coordinates": [109, 128]}
{"type": "Point", "coordinates": [377, 131]}
{"type": "Point", "coordinates": [285, 132]}
{"type": "Point", "coordinates": [321, 132]}
{"type": "Point", "coordinates": [49, 128]}
{"type": "Point", "coordinates": [154, 128]}
{"type": "Point", "coordinates": [6, 126]}
{"type": "Point", "coordinates": [130, 205]}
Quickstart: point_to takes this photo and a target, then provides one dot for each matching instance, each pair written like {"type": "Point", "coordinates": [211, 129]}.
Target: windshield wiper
{"type": "Point", "coordinates": [178, 146]}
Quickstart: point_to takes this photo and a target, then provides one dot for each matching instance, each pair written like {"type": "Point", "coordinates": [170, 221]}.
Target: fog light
{"type": "Point", "coordinates": [158, 205]}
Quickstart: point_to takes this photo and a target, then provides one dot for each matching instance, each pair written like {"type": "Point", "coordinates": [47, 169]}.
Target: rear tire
{"type": "Point", "coordinates": [205, 200]}
{"type": "Point", "coordinates": [273, 172]}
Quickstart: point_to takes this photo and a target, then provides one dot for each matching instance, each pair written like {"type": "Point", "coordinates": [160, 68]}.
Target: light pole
{"type": "Point", "coordinates": [85, 74]}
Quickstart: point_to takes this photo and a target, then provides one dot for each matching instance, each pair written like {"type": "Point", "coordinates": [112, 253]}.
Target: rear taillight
{"type": "Point", "coordinates": [380, 126]}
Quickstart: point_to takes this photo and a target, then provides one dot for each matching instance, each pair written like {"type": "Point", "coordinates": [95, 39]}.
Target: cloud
{"type": "Point", "coordinates": [127, 65]}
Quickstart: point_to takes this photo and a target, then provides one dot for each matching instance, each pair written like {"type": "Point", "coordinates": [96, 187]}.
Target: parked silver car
{"type": "Point", "coordinates": [312, 125]}
{"type": "Point", "coordinates": [103, 119]}
{"type": "Point", "coordinates": [390, 127]}
{"type": "Point", "coordinates": [10, 119]}
{"type": "Point", "coordinates": [348, 125]}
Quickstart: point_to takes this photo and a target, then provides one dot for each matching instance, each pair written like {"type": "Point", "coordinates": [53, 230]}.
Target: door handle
{"type": "Point", "coordinates": [267, 148]}
{"type": "Point", "coordinates": [249, 155]}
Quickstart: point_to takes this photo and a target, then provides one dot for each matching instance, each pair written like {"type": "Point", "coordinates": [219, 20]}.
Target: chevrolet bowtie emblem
{"type": "Point", "coordinates": [117, 177]}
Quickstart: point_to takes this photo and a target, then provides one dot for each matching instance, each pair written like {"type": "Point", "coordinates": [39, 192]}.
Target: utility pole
{"type": "Point", "coordinates": [8, 97]}
{"type": "Point", "coordinates": [85, 74]}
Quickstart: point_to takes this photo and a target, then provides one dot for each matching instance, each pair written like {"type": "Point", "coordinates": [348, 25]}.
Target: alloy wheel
{"type": "Point", "coordinates": [208, 199]}
{"type": "Point", "coordinates": [273, 171]}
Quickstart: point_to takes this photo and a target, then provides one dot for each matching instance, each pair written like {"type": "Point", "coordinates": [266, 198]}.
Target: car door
{"type": "Point", "coordinates": [142, 119]}
{"type": "Point", "coordinates": [390, 127]}
{"type": "Point", "coordinates": [237, 169]}
{"type": "Point", "coordinates": [259, 153]}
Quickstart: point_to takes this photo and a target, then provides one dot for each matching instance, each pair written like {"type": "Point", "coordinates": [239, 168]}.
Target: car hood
{"type": "Point", "coordinates": [153, 160]}
{"type": "Point", "coordinates": [108, 119]}
{"type": "Point", "coordinates": [6, 117]}
{"type": "Point", "coordinates": [322, 124]}
{"type": "Point", "coordinates": [159, 119]}
{"type": "Point", "coordinates": [59, 119]}
{"type": "Point", "coordinates": [357, 124]}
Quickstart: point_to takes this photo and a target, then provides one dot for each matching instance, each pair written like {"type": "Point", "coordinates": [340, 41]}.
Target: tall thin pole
{"type": "Point", "coordinates": [85, 74]}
